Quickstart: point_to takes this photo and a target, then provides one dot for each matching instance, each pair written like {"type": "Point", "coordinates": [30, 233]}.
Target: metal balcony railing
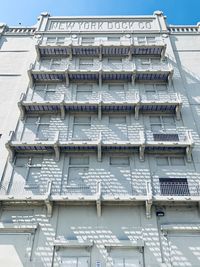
{"type": "Point", "coordinates": [125, 47]}
{"type": "Point", "coordinates": [177, 187]}
{"type": "Point", "coordinates": [99, 73]}
{"type": "Point", "coordinates": [135, 104]}
{"type": "Point", "coordinates": [140, 145]}
{"type": "Point", "coordinates": [23, 188]}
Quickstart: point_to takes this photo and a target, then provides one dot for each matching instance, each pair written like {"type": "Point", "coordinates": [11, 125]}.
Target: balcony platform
{"type": "Point", "coordinates": [67, 75]}
{"type": "Point", "coordinates": [100, 49]}
{"type": "Point", "coordinates": [140, 146]}
{"type": "Point", "coordinates": [137, 105]}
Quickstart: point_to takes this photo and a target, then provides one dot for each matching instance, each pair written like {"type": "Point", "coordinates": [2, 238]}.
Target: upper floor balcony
{"type": "Point", "coordinates": [99, 103]}
{"type": "Point", "coordinates": [176, 189]}
{"type": "Point", "coordinates": [154, 71]}
{"type": "Point", "coordinates": [86, 46]}
{"type": "Point", "coordinates": [169, 142]}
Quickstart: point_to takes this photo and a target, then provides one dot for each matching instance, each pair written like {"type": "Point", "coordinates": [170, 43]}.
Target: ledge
{"type": "Point", "coordinates": [193, 227]}
{"type": "Point", "coordinates": [126, 244]}
{"type": "Point", "coordinates": [72, 244]}
{"type": "Point", "coordinates": [18, 228]}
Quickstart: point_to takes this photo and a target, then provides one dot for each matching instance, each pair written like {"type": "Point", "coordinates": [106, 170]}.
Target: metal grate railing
{"type": "Point", "coordinates": [165, 137]}
{"type": "Point", "coordinates": [174, 187]}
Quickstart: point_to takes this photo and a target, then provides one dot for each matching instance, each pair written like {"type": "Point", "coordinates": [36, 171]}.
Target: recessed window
{"type": "Point", "coordinates": [162, 123]}
{"type": "Point", "coordinates": [36, 128]}
{"type": "Point", "coordinates": [30, 169]}
{"type": "Point", "coordinates": [84, 92]}
{"type": "Point", "coordinates": [79, 160]}
{"type": "Point", "coordinates": [125, 262]}
{"type": "Point", "coordinates": [75, 175]}
{"type": "Point", "coordinates": [141, 40]}
{"type": "Point", "coordinates": [122, 161]}
{"type": "Point", "coordinates": [51, 40]}
{"type": "Point", "coordinates": [55, 63]}
{"type": "Point", "coordinates": [177, 161]}
{"type": "Point", "coordinates": [75, 261]}
{"type": "Point", "coordinates": [170, 161]}
{"type": "Point", "coordinates": [114, 38]}
{"type": "Point", "coordinates": [82, 127]}
{"type": "Point", "coordinates": [117, 120]}
{"type": "Point", "coordinates": [115, 60]}
{"type": "Point", "coordinates": [116, 87]}
{"type": "Point", "coordinates": [85, 63]}
{"type": "Point", "coordinates": [151, 40]}
{"type": "Point", "coordinates": [162, 161]}
{"type": "Point", "coordinates": [146, 40]}
{"type": "Point", "coordinates": [60, 40]}
{"type": "Point", "coordinates": [87, 40]}
{"type": "Point", "coordinates": [44, 92]}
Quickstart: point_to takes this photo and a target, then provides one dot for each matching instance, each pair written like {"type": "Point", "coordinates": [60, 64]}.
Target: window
{"type": "Point", "coordinates": [141, 40]}
{"type": "Point", "coordinates": [177, 161]}
{"type": "Point", "coordinates": [162, 123]}
{"type": "Point", "coordinates": [115, 63]}
{"type": "Point", "coordinates": [146, 40]}
{"type": "Point", "coordinates": [85, 63]}
{"type": "Point", "coordinates": [174, 187]}
{"type": "Point", "coordinates": [75, 172]}
{"type": "Point", "coordinates": [113, 38]}
{"type": "Point", "coordinates": [36, 128]}
{"type": "Point", "coordinates": [75, 262]}
{"type": "Point", "coordinates": [55, 64]}
{"type": "Point", "coordinates": [119, 161]}
{"type": "Point", "coordinates": [147, 63]}
{"type": "Point", "coordinates": [81, 127]}
{"type": "Point", "coordinates": [43, 128]}
{"type": "Point", "coordinates": [155, 92]}
{"type": "Point", "coordinates": [151, 40]}
{"type": "Point", "coordinates": [87, 40]}
{"type": "Point", "coordinates": [170, 161]}
{"type": "Point", "coordinates": [51, 40]}
{"type": "Point", "coordinates": [79, 161]}
{"type": "Point", "coordinates": [115, 60]}
{"type": "Point", "coordinates": [116, 87]}
{"type": "Point", "coordinates": [60, 40]}
{"type": "Point", "coordinates": [34, 170]}
{"type": "Point", "coordinates": [44, 92]}
{"type": "Point", "coordinates": [27, 172]}
{"type": "Point", "coordinates": [117, 120]}
{"type": "Point", "coordinates": [84, 92]}
{"type": "Point", "coordinates": [117, 128]}
{"type": "Point", "coordinates": [55, 40]}
{"type": "Point", "coordinates": [126, 262]}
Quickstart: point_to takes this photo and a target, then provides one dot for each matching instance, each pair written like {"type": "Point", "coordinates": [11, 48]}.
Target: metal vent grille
{"type": "Point", "coordinates": [174, 187]}
{"type": "Point", "coordinates": [166, 137]}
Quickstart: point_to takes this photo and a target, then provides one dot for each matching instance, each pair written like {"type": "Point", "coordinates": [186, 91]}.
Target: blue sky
{"type": "Point", "coordinates": [13, 12]}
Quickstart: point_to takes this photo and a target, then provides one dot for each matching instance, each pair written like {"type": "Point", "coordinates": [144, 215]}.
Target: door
{"type": "Point", "coordinates": [13, 249]}
{"type": "Point", "coordinates": [184, 249]}
{"type": "Point", "coordinates": [126, 257]}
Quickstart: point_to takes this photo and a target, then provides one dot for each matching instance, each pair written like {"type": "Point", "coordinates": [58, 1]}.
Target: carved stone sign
{"type": "Point", "coordinates": [101, 25]}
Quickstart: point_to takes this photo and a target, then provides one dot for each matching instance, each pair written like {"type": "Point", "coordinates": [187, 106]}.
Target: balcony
{"type": "Point", "coordinates": [99, 73]}
{"type": "Point", "coordinates": [168, 104]}
{"type": "Point", "coordinates": [101, 48]}
{"type": "Point", "coordinates": [141, 145]}
{"type": "Point", "coordinates": [170, 142]}
{"type": "Point", "coordinates": [18, 192]}
{"type": "Point", "coordinates": [177, 189]}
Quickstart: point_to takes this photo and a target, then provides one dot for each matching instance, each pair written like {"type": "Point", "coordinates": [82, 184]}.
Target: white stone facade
{"type": "Point", "coordinates": [100, 156]}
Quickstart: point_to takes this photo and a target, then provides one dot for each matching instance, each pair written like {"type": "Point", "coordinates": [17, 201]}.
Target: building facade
{"type": "Point", "coordinates": [100, 149]}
